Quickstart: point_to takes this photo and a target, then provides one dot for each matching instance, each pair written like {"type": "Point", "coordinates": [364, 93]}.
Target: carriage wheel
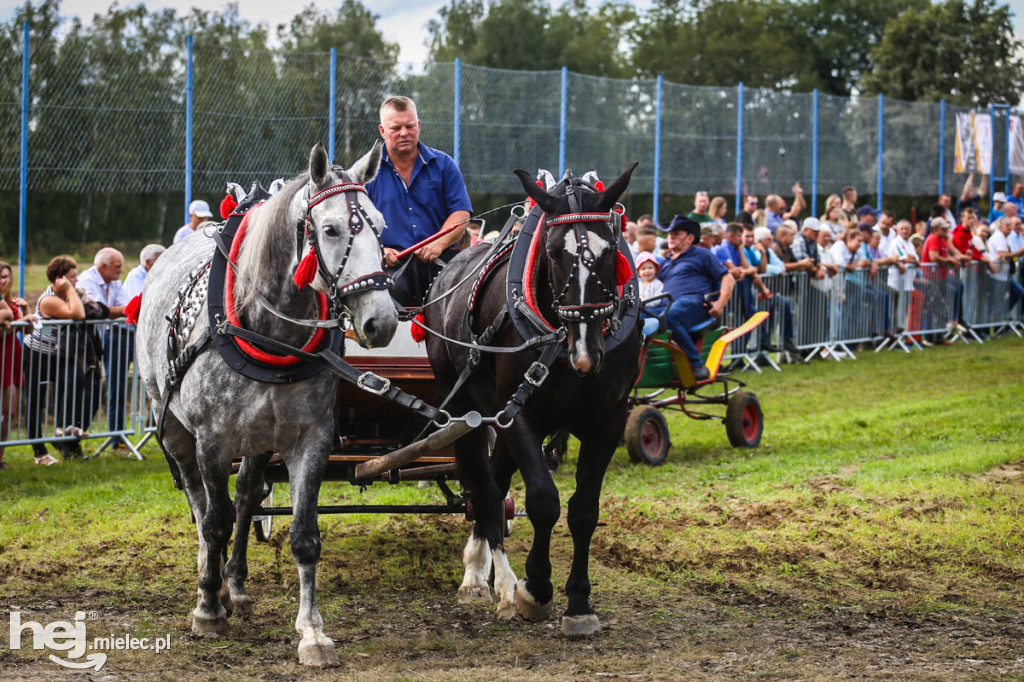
{"type": "Point", "coordinates": [744, 420]}
{"type": "Point", "coordinates": [262, 525]}
{"type": "Point", "coordinates": [647, 437]}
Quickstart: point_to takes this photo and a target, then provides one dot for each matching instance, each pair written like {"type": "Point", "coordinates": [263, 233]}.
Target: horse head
{"type": "Point", "coordinates": [581, 234]}
{"type": "Point", "coordinates": [342, 229]}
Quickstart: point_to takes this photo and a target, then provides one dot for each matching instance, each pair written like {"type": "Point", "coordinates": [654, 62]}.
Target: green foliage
{"type": "Point", "coordinates": [722, 42]}
{"type": "Point", "coordinates": [960, 51]}
{"type": "Point", "coordinates": [526, 35]}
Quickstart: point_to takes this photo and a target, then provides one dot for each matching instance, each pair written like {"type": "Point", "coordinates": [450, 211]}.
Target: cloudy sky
{"type": "Point", "coordinates": [401, 21]}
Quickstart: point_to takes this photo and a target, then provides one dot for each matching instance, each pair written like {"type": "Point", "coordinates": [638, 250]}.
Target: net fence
{"type": "Point", "coordinates": [112, 122]}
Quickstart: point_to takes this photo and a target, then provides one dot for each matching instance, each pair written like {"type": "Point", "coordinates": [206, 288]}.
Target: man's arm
{"type": "Point", "coordinates": [724, 294]}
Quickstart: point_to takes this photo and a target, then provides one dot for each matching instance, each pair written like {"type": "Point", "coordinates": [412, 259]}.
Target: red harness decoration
{"type": "Point", "coordinates": [529, 287]}
{"type": "Point", "coordinates": [229, 307]}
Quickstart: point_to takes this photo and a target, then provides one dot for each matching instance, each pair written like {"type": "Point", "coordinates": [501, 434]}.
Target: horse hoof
{"type": "Point", "coordinates": [580, 626]}
{"type": "Point", "coordinates": [474, 594]}
{"type": "Point", "coordinates": [319, 654]}
{"type": "Point", "coordinates": [506, 611]}
{"type": "Point", "coordinates": [528, 607]}
{"type": "Point", "coordinates": [209, 627]}
{"type": "Point", "coordinates": [242, 607]}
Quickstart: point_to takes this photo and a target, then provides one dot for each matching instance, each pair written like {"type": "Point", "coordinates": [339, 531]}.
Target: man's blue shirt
{"type": "Point", "coordinates": [695, 272]}
{"type": "Point", "coordinates": [727, 253]}
{"type": "Point", "coordinates": [415, 212]}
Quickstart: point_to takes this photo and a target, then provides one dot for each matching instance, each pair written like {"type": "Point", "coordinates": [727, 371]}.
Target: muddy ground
{"type": "Point", "coordinates": [388, 626]}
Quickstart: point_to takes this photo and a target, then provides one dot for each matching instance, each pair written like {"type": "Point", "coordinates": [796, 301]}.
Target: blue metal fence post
{"type": "Point", "coordinates": [23, 196]}
{"type": "Point", "coordinates": [188, 129]}
{"type": "Point", "coordinates": [814, 156]}
{"type": "Point", "coordinates": [657, 149]}
{"type": "Point", "coordinates": [739, 147]}
{"type": "Point", "coordinates": [457, 122]}
{"type": "Point", "coordinates": [881, 149]}
{"type": "Point", "coordinates": [942, 145]}
{"type": "Point", "coordinates": [332, 108]}
{"type": "Point", "coordinates": [562, 117]}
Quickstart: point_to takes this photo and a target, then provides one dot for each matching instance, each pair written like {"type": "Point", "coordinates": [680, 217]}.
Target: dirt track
{"type": "Point", "coordinates": [654, 628]}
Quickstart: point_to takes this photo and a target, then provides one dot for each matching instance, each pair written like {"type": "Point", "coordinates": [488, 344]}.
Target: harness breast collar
{"type": "Point", "coordinates": [244, 355]}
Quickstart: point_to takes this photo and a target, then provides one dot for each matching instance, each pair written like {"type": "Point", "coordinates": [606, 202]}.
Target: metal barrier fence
{"type": "Point", "coordinates": [211, 113]}
{"type": "Point", "coordinates": [69, 381]}
{"type": "Point", "coordinates": [891, 309]}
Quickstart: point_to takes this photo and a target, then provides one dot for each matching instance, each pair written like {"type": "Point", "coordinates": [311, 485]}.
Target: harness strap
{"type": "Point", "coordinates": [533, 378]}
{"type": "Point", "coordinates": [179, 366]}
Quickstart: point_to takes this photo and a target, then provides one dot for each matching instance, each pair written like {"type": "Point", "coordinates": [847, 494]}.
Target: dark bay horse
{"type": "Point", "coordinates": [573, 263]}
{"type": "Point", "coordinates": [214, 414]}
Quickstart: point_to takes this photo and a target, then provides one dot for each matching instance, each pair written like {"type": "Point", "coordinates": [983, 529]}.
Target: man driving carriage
{"type": "Point", "coordinates": [420, 192]}
{"type": "Point", "coordinates": [690, 273]}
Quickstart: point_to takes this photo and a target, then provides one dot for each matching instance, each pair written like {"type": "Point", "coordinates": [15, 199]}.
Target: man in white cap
{"type": "Point", "coordinates": [198, 213]}
{"type": "Point", "coordinates": [996, 212]}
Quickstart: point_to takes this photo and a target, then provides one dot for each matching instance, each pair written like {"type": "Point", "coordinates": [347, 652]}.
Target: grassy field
{"type": "Point", "coordinates": [876, 533]}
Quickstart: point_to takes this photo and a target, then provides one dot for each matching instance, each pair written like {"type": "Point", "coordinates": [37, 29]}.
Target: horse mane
{"type": "Point", "coordinates": [269, 229]}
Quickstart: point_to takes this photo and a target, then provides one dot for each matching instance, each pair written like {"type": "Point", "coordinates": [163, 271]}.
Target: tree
{"type": "Point", "coordinates": [960, 51]}
{"type": "Point", "coordinates": [838, 36]}
{"type": "Point", "coordinates": [365, 73]}
{"type": "Point", "coordinates": [722, 42]}
{"type": "Point", "coordinates": [525, 35]}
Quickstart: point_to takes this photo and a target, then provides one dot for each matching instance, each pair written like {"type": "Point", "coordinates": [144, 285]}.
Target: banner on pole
{"type": "Point", "coordinates": [1016, 146]}
{"type": "Point", "coordinates": [973, 143]}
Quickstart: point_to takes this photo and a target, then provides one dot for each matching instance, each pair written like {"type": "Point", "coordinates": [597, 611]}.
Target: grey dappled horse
{"type": "Point", "coordinates": [217, 414]}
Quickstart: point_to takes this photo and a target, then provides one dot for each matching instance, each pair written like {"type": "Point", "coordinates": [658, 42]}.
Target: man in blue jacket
{"type": "Point", "coordinates": [690, 273]}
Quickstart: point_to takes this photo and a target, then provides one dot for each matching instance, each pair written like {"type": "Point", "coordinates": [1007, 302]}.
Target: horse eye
{"type": "Point", "coordinates": [330, 231]}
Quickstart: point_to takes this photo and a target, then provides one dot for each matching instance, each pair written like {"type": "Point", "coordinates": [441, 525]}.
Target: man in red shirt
{"type": "Point", "coordinates": [945, 294]}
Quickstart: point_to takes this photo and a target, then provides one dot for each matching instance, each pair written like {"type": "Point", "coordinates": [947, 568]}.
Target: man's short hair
{"type": "Point", "coordinates": [398, 103]}
{"type": "Point", "coordinates": [969, 210]}
{"type": "Point", "coordinates": [889, 214]}
{"type": "Point", "coordinates": [848, 190]}
{"type": "Point", "coordinates": [646, 228]}
{"type": "Point", "coordinates": [151, 251]}
{"type": "Point", "coordinates": [937, 211]}
{"type": "Point", "coordinates": [103, 256]}
{"type": "Point", "coordinates": [762, 233]}
{"type": "Point", "coordinates": [734, 228]}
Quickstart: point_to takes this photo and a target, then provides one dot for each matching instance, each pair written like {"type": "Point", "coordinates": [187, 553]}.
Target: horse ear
{"type": "Point", "coordinates": [365, 169]}
{"type": "Point", "coordinates": [615, 190]}
{"type": "Point", "coordinates": [547, 202]}
{"type": "Point", "coordinates": [318, 165]}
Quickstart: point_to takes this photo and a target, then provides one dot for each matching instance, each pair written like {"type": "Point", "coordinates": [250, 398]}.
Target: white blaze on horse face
{"type": "Point", "coordinates": [579, 357]}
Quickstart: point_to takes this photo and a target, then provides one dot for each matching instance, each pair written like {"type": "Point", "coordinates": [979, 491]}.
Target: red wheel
{"type": "Point", "coordinates": [646, 436]}
{"type": "Point", "coordinates": [744, 421]}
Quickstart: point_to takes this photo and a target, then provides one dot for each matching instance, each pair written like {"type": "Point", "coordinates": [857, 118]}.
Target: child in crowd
{"type": "Point", "coordinates": [650, 286]}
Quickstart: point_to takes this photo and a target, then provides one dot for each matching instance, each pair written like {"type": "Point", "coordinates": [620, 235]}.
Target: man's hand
{"type": "Point", "coordinates": [390, 257]}
{"type": "Point", "coordinates": [716, 310]}
{"type": "Point", "coordinates": [737, 272]}
{"type": "Point", "coordinates": [901, 266]}
{"type": "Point", "coordinates": [430, 252]}
{"type": "Point", "coordinates": [764, 294]}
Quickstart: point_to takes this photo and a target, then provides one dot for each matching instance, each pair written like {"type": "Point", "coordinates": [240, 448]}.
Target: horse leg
{"type": "Point", "coordinates": [583, 509]}
{"type": "Point", "coordinates": [505, 581]}
{"type": "Point", "coordinates": [533, 595]}
{"type": "Point", "coordinates": [210, 614]}
{"type": "Point", "coordinates": [475, 475]}
{"type": "Point", "coordinates": [306, 471]}
{"type": "Point", "coordinates": [248, 494]}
